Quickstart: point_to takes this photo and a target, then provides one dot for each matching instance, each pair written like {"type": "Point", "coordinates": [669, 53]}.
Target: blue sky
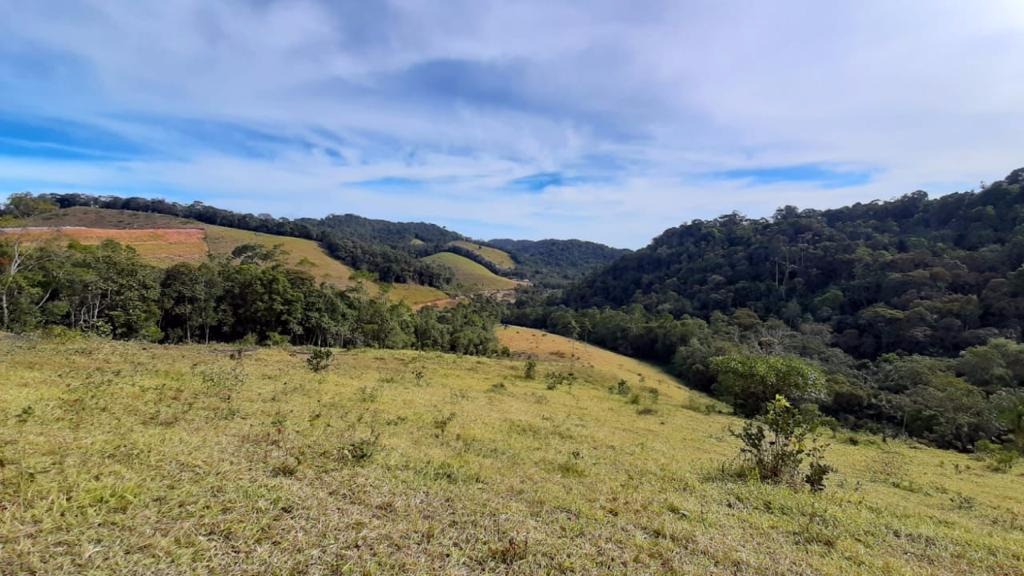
{"type": "Point", "coordinates": [600, 120]}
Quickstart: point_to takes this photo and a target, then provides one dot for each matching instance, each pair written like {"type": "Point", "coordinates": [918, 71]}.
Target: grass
{"type": "Point", "coordinates": [472, 276]}
{"type": "Point", "coordinates": [124, 458]}
{"type": "Point", "coordinates": [415, 295]}
{"type": "Point", "coordinates": [158, 246]}
{"type": "Point", "coordinates": [302, 254]}
{"type": "Point", "coordinates": [499, 258]}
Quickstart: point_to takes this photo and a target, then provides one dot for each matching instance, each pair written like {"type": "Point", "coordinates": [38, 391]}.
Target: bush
{"type": "Point", "coordinates": [556, 379]}
{"type": "Point", "coordinates": [1000, 458]}
{"type": "Point", "coordinates": [750, 382]}
{"type": "Point", "coordinates": [775, 446]}
{"type": "Point", "coordinates": [320, 359]}
{"type": "Point", "coordinates": [530, 370]}
{"type": "Point", "coordinates": [622, 388]}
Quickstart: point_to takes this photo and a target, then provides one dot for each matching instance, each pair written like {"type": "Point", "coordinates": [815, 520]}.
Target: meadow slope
{"type": "Point", "coordinates": [499, 258]}
{"type": "Point", "coordinates": [126, 458]}
{"type": "Point", "coordinates": [471, 275]}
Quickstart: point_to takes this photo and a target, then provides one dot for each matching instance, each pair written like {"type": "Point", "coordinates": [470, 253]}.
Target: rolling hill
{"type": "Point", "coordinates": [164, 240]}
{"type": "Point", "coordinates": [126, 458]}
{"type": "Point", "coordinates": [471, 275]}
{"type": "Point", "coordinates": [499, 258]}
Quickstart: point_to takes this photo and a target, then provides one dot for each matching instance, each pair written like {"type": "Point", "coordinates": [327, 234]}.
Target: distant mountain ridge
{"type": "Point", "coordinates": [393, 251]}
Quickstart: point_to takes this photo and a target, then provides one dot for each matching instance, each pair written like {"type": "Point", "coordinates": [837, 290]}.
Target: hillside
{"type": "Point", "coordinates": [906, 314]}
{"type": "Point", "coordinates": [498, 258]}
{"type": "Point", "coordinates": [384, 249]}
{"type": "Point", "coordinates": [472, 276]}
{"type": "Point", "coordinates": [395, 234]}
{"type": "Point", "coordinates": [149, 234]}
{"type": "Point", "coordinates": [130, 458]}
{"type": "Point", "coordinates": [157, 246]}
{"type": "Point", "coordinates": [912, 275]}
{"type": "Point", "coordinates": [556, 263]}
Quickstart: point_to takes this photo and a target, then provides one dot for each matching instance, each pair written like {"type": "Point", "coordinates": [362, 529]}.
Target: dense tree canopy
{"type": "Point", "coordinates": [912, 275]}
{"type": "Point", "coordinates": [557, 263]}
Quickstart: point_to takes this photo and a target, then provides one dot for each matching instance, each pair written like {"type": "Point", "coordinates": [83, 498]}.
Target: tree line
{"type": "Point", "coordinates": [250, 296]}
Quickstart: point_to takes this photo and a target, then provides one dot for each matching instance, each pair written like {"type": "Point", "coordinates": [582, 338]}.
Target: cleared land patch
{"type": "Point", "coordinates": [302, 254]}
{"type": "Point", "coordinates": [499, 258]}
{"type": "Point", "coordinates": [158, 246]}
{"type": "Point", "coordinates": [471, 275]}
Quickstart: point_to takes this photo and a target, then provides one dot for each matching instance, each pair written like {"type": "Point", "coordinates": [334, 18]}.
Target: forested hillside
{"type": "Point", "coordinates": [903, 316]}
{"type": "Point", "coordinates": [910, 275]}
{"type": "Point", "coordinates": [556, 263]}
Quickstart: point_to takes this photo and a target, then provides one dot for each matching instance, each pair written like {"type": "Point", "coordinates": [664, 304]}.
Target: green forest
{"type": "Point", "coordinates": [910, 309]}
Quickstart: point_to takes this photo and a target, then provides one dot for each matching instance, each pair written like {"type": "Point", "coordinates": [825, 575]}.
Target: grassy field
{"type": "Point", "coordinates": [123, 458]}
{"type": "Point", "coordinates": [470, 275]}
{"type": "Point", "coordinates": [499, 258]}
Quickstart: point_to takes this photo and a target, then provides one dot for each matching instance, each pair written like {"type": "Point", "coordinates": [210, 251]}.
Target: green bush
{"type": "Point", "coordinates": [776, 445]}
{"type": "Point", "coordinates": [750, 382]}
{"type": "Point", "coordinates": [320, 359]}
{"type": "Point", "coordinates": [530, 370]}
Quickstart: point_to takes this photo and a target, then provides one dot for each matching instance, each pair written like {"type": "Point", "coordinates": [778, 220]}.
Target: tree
{"type": "Point", "coordinates": [25, 205]}
{"type": "Point", "coordinates": [748, 382]}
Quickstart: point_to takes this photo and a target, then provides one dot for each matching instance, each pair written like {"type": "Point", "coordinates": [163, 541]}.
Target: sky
{"type": "Point", "coordinates": [602, 120]}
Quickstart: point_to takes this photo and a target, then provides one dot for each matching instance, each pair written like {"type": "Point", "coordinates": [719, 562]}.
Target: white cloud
{"type": "Point", "coordinates": [636, 98]}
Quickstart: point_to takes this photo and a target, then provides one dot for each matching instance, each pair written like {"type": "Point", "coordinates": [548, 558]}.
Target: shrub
{"type": "Point", "coordinates": [622, 388]}
{"type": "Point", "coordinates": [530, 370]}
{"type": "Point", "coordinates": [775, 446]}
{"type": "Point", "coordinates": [556, 379]}
{"type": "Point", "coordinates": [275, 339]}
{"type": "Point", "coordinates": [1000, 458]}
{"type": "Point", "coordinates": [320, 359]}
{"type": "Point", "coordinates": [750, 382]}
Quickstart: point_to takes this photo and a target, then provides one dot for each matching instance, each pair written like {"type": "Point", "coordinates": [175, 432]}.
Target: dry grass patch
{"type": "Point", "coordinates": [157, 246]}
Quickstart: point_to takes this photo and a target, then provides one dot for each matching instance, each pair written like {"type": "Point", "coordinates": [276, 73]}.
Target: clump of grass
{"type": "Point", "coordinates": [511, 551]}
{"type": "Point", "coordinates": [559, 378]}
{"type": "Point", "coordinates": [621, 388]}
{"type": "Point", "coordinates": [368, 395]}
{"type": "Point", "coordinates": [440, 423]}
{"type": "Point", "coordinates": [572, 465]}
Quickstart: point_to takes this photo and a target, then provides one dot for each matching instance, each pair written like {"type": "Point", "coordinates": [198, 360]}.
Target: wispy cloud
{"type": "Point", "coordinates": [825, 176]}
{"type": "Point", "coordinates": [616, 121]}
